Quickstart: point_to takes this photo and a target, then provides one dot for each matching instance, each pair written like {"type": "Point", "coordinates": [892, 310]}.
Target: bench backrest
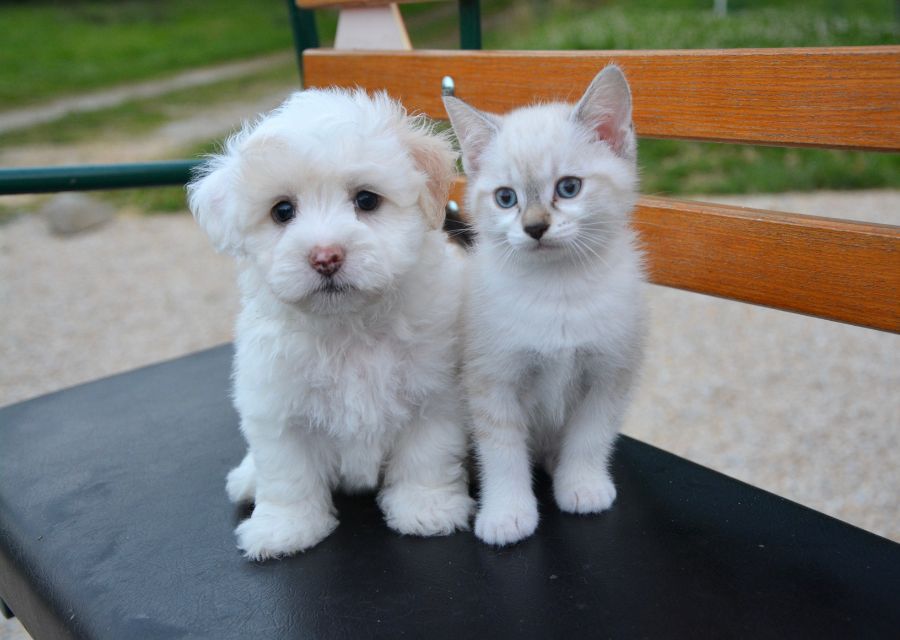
{"type": "Point", "coordinates": [844, 98]}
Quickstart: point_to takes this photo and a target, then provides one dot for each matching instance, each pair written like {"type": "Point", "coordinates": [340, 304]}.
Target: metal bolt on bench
{"type": "Point", "coordinates": [448, 87]}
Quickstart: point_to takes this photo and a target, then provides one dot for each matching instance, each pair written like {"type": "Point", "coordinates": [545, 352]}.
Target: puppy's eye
{"type": "Point", "coordinates": [283, 212]}
{"type": "Point", "coordinates": [505, 197]}
{"type": "Point", "coordinates": [367, 201]}
{"type": "Point", "coordinates": [568, 187]}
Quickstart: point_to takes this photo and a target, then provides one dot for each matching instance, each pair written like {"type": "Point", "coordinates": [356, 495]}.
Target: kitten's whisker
{"type": "Point", "coordinates": [603, 219]}
{"type": "Point", "coordinates": [506, 252]}
{"type": "Point", "coordinates": [580, 253]}
{"type": "Point", "coordinates": [597, 224]}
{"type": "Point", "coordinates": [510, 255]}
{"type": "Point", "coordinates": [585, 258]}
{"type": "Point", "coordinates": [600, 242]}
{"type": "Point", "coordinates": [586, 245]}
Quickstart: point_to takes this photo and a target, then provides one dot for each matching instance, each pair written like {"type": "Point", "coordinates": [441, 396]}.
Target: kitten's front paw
{"type": "Point", "coordinates": [240, 484]}
{"type": "Point", "coordinates": [422, 511]}
{"type": "Point", "coordinates": [276, 531]}
{"type": "Point", "coordinates": [506, 523]}
{"type": "Point", "coordinates": [584, 495]}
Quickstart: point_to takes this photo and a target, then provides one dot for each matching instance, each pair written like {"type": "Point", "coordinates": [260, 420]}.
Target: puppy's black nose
{"type": "Point", "coordinates": [536, 230]}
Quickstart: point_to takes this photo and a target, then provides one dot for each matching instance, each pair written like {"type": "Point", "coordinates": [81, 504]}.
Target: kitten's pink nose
{"type": "Point", "coordinates": [326, 260]}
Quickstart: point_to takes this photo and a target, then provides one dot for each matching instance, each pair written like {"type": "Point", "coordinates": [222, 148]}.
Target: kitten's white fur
{"type": "Point", "coordinates": [553, 325]}
{"type": "Point", "coordinates": [348, 388]}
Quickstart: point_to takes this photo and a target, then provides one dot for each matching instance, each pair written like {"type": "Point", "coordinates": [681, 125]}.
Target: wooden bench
{"type": "Point", "coordinates": [838, 98]}
{"type": "Point", "coordinates": [113, 518]}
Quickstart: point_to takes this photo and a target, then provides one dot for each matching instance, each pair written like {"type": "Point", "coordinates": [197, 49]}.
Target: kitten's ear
{"type": "Point", "coordinates": [434, 156]}
{"type": "Point", "coordinates": [474, 129]}
{"type": "Point", "coordinates": [605, 108]}
{"type": "Point", "coordinates": [212, 203]}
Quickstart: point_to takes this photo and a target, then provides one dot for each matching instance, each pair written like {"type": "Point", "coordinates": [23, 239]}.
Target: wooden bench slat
{"type": "Point", "coordinates": [846, 97]}
{"type": "Point", "coordinates": [834, 269]}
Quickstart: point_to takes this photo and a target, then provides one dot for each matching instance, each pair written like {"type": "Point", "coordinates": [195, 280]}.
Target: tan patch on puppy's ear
{"type": "Point", "coordinates": [434, 156]}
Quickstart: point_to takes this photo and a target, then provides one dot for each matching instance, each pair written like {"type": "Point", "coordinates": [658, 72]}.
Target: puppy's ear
{"type": "Point", "coordinates": [211, 201]}
{"type": "Point", "coordinates": [605, 108]}
{"type": "Point", "coordinates": [434, 156]}
{"type": "Point", "coordinates": [473, 128]}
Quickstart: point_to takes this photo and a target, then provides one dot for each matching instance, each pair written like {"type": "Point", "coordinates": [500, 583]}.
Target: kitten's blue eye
{"type": "Point", "coordinates": [283, 212]}
{"type": "Point", "coordinates": [568, 187]}
{"type": "Point", "coordinates": [367, 201]}
{"type": "Point", "coordinates": [505, 197]}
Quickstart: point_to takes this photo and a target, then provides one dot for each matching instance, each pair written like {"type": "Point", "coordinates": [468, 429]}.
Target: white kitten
{"type": "Point", "coordinates": [345, 359]}
{"type": "Point", "coordinates": [554, 315]}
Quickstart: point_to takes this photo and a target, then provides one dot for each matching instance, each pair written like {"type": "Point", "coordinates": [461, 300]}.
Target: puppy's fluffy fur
{"type": "Point", "coordinates": [554, 320]}
{"type": "Point", "coordinates": [344, 380]}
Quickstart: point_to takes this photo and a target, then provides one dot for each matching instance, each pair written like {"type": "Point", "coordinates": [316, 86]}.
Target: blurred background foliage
{"type": "Point", "coordinates": [51, 49]}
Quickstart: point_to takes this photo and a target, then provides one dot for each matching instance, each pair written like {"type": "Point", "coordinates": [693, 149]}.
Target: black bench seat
{"type": "Point", "coordinates": [114, 524]}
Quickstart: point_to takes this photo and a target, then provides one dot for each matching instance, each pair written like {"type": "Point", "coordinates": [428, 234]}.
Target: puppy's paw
{"type": "Point", "coordinates": [424, 511]}
{"type": "Point", "coordinates": [276, 531]}
{"type": "Point", "coordinates": [502, 524]}
{"type": "Point", "coordinates": [587, 494]}
{"type": "Point", "coordinates": [240, 484]}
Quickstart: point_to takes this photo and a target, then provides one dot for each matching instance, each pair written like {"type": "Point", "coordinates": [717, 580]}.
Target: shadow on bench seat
{"type": "Point", "coordinates": [114, 524]}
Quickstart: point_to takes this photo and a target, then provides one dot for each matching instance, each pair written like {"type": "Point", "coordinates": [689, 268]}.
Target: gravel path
{"type": "Point", "coordinates": [805, 408]}
{"type": "Point", "coordinates": [213, 123]}
{"type": "Point", "coordinates": [29, 116]}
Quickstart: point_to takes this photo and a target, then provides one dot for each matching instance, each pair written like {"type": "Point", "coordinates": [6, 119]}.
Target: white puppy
{"type": "Point", "coordinates": [345, 365]}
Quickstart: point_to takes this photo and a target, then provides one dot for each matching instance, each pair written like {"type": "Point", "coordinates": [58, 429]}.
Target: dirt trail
{"type": "Point", "coordinates": [38, 114]}
{"type": "Point", "coordinates": [210, 122]}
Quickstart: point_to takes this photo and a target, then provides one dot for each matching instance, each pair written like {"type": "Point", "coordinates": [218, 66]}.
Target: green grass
{"type": "Point", "coordinates": [55, 48]}
{"type": "Point", "coordinates": [686, 24]}
{"type": "Point", "coordinates": [156, 200]}
{"type": "Point", "coordinates": [679, 167]}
